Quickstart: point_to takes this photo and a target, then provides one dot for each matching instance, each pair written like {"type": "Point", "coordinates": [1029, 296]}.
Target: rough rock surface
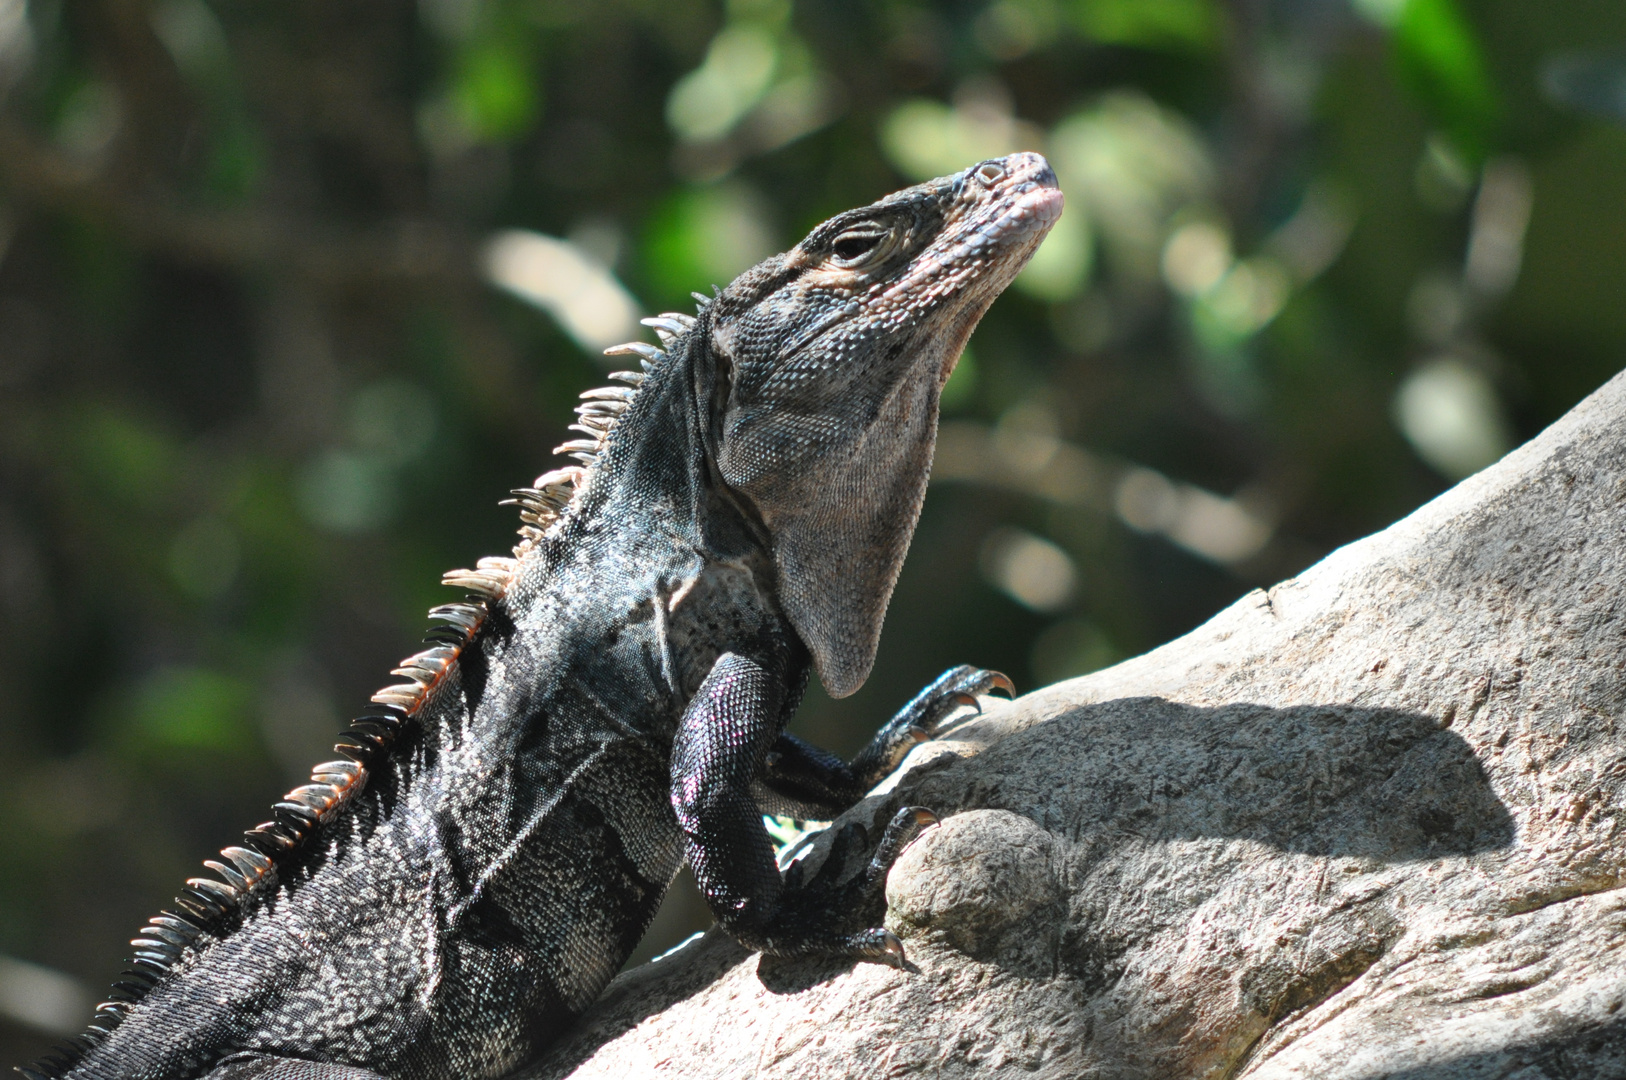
{"type": "Point", "coordinates": [1367, 824]}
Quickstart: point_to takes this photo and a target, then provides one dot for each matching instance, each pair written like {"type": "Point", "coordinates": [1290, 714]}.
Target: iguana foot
{"type": "Point", "coordinates": [923, 718]}
{"type": "Point", "coordinates": [959, 685]}
{"type": "Point", "coordinates": [731, 755]}
{"type": "Point", "coordinates": [826, 899]}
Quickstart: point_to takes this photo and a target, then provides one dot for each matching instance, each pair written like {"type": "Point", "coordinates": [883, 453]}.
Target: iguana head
{"type": "Point", "coordinates": [834, 355]}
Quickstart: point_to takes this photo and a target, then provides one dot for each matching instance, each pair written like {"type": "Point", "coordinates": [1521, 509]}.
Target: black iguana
{"type": "Point", "coordinates": [612, 700]}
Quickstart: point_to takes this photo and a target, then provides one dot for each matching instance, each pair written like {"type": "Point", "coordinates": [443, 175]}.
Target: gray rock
{"type": "Point", "coordinates": [1366, 824]}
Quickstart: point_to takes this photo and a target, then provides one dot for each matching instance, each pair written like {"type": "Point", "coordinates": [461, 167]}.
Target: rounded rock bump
{"type": "Point", "coordinates": [973, 876]}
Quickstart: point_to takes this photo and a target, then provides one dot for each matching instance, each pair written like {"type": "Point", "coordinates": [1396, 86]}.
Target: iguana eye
{"type": "Point", "coordinates": [850, 247]}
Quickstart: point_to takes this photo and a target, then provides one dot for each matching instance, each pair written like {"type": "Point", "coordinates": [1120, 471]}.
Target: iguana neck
{"type": "Point", "coordinates": [660, 461]}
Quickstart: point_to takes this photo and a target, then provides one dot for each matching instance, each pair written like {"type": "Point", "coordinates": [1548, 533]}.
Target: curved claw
{"type": "Point", "coordinates": [906, 825]}
{"type": "Point", "coordinates": [981, 682]}
{"type": "Point", "coordinates": [892, 955]}
{"type": "Point", "coordinates": [881, 946]}
{"type": "Point", "coordinates": [922, 817]}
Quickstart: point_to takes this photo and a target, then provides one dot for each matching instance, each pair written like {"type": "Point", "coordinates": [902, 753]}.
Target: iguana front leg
{"type": "Point", "coordinates": [721, 744]}
{"type": "Point", "coordinates": [732, 726]}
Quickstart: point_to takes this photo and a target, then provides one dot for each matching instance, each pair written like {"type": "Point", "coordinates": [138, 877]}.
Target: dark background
{"type": "Point", "coordinates": [261, 380]}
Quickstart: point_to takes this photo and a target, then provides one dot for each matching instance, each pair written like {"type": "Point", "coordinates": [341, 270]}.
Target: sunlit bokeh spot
{"type": "Point", "coordinates": [1196, 257]}
{"type": "Point", "coordinates": [16, 41]}
{"type": "Point", "coordinates": [925, 138]}
{"type": "Point", "coordinates": [42, 998]}
{"type": "Point", "coordinates": [738, 70]}
{"type": "Point", "coordinates": [1247, 297]}
{"type": "Point", "coordinates": [561, 279]}
{"type": "Point", "coordinates": [1501, 215]}
{"type": "Point", "coordinates": [1061, 266]}
{"type": "Point", "coordinates": [1451, 415]}
{"type": "Point", "coordinates": [1029, 569]}
{"type": "Point", "coordinates": [193, 36]}
{"type": "Point", "coordinates": [1147, 500]}
{"type": "Point", "coordinates": [89, 121]}
{"type": "Point", "coordinates": [1008, 29]}
{"type": "Point", "coordinates": [1133, 164]}
{"type": "Point", "coordinates": [346, 491]}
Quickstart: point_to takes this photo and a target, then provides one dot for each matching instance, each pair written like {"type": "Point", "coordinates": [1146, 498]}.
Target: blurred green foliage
{"type": "Point", "coordinates": [263, 376]}
{"type": "Point", "coordinates": [1438, 52]}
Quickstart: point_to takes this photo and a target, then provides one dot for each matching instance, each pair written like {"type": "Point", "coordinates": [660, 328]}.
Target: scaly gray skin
{"type": "Point", "coordinates": [613, 699]}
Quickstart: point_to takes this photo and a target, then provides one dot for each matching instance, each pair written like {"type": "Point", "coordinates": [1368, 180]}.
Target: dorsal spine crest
{"type": "Point", "coordinates": [208, 904]}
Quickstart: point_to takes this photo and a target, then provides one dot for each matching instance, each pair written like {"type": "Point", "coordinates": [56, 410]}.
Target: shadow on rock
{"type": "Point", "coordinates": [1339, 781]}
{"type": "Point", "coordinates": [1597, 1053]}
{"type": "Point", "coordinates": [1331, 780]}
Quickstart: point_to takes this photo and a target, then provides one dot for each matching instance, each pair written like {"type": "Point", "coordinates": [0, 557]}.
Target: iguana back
{"type": "Point", "coordinates": [612, 699]}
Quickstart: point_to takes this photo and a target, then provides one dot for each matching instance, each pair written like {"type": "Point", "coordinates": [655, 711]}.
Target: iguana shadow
{"type": "Point", "coordinates": [1337, 781]}
{"type": "Point", "coordinates": [1329, 780]}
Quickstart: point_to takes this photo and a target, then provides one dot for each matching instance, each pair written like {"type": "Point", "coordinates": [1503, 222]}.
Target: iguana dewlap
{"type": "Point", "coordinates": [611, 701]}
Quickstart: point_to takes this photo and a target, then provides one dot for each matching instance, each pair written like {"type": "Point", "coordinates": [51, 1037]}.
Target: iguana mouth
{"type": "Point", "coordinates": [1038, 208]}
{"type": "Point", "coordinates": [993, 209]}
{"type": "Point", "coordinates": [1007, 202]}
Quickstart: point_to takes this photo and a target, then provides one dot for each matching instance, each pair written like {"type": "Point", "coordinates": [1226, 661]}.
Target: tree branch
{"type": "Point", "coordinates": [1364, 824]}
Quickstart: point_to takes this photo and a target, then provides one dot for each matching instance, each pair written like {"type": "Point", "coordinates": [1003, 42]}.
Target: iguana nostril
{"type": "Point", "coordinates": [991, 173]}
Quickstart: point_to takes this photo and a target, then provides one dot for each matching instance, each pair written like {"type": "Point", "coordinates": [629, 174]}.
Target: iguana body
{"type": "Point", "coordinates": [614, 698]}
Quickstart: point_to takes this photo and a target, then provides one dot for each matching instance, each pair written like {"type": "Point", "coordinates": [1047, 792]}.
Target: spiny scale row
{"type": "Point", "coordinates": [206, 903]}
{"type": "Point", "coordinates": [602, 408]}
{"type": "Point", "coordinates": [541, 504]}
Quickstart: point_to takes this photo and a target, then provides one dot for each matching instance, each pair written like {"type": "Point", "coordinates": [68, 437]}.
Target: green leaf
{"type": "Point", "coordinates": [1441, 59]}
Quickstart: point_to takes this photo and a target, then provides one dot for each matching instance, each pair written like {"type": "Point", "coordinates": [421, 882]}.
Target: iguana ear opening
{"type": "Point", "coordinates": [841, 521]}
